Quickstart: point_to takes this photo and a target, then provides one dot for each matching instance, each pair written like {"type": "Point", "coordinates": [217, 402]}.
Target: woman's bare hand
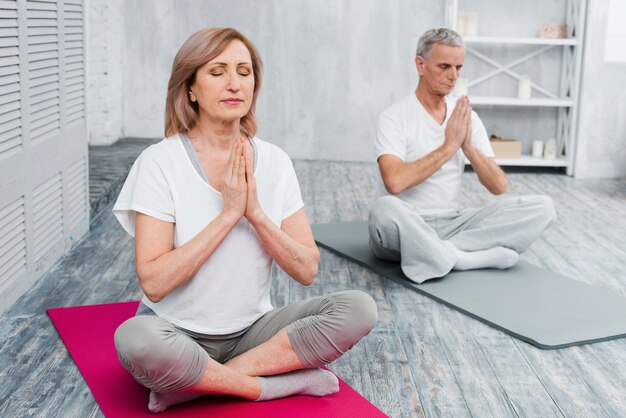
{"type": "Point", "coordinates": [234, 187]}
{"type": "Point", "coordinates": [253, 208]}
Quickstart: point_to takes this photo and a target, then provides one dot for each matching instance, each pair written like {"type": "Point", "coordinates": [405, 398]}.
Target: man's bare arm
{"type": "Point", "coordinates": [399, 175]}
{"type": "Point", "coordinates": [489, 173]}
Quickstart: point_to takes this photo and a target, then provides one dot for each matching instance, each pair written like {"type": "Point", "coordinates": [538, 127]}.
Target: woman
{"type": "Point", "coordinates": [210, 207]}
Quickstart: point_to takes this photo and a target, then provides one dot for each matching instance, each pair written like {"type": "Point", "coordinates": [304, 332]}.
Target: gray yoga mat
{"type": "Point", "coordinates": [541, 307]}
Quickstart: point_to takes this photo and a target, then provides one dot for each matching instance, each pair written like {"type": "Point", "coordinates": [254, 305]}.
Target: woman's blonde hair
{"type": "Point", "coordinates": [181, 114]}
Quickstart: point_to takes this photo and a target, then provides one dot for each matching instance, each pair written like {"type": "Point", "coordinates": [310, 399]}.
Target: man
{"type": "Point", "coordinates": [421, 146]}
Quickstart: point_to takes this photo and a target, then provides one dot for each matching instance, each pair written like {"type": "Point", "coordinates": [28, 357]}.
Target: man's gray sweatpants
{"type": "Point", "coordinates": [422, 244]}
{"type": "Point", "coordinates": [167, 359]}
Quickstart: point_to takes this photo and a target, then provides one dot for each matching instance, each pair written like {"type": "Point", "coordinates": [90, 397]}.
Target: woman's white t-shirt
{"type": "Point", "coordinates": [409, 132]}
{"type": "Point", "coordinates": [232, 288]}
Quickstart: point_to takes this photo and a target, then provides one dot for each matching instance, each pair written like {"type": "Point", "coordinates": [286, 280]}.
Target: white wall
{"type": "Point", "coordinates": [105, 94]}
{"type": "Point", "coordinates": [602, 114]}
{"type": "Point", "coordinates": [331, 66]}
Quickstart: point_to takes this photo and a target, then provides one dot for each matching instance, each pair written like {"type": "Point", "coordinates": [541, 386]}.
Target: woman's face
{"type": "Point", "coordinates": [224, 86]}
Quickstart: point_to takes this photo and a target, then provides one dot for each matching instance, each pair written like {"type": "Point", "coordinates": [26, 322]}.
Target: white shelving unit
{"type": "Point", "coordinates": [521, 41]}
{"type": "Point", "coordinates": [528, 161]}
{"type": "Point", "coordinates": [514, 101]}
{"type": "Point", "coordinates": [563, 98]}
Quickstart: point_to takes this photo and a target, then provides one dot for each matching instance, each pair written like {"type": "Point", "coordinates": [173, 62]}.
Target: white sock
{"type": "Point", "coordinates": [159, 402]}
{"type": "Point", "coordinates": [496, 257]}
{"type": "Point", "coordinates": [312, 382]}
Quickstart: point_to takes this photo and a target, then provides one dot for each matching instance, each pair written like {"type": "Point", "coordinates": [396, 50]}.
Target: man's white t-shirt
{"type": "Point", "coordinates": [232, 288]}
{"type": "Point", "coordinates": [409, 132]}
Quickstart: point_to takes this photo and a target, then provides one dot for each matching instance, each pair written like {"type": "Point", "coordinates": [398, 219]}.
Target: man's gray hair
{"type": "Point", "coordinates": [443, 36]}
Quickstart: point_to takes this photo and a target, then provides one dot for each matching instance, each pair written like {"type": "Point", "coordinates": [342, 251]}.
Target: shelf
{"type": "Point", "coordinates": [520, 41]}
{"type": "Point", "coordinates": [514, 101]}
{"type": "Point", "coordinates": [502, 57]}
{"type": "Point", "coordinates": [528, 161]}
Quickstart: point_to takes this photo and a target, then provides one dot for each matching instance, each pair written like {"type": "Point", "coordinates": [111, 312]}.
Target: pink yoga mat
{"type": "Point", "coordinates": [87, 332]}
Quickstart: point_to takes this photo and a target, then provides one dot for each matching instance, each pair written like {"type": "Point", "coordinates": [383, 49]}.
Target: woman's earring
{"type": "Point", "coordinates": [191, 96]}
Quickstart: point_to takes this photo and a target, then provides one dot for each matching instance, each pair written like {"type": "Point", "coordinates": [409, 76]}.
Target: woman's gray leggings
{"type": "Point", "coordinates": [167, 359]}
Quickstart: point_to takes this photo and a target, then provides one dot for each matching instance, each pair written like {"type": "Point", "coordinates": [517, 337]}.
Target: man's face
{"type": "Point", "coordinates": [441, 68]}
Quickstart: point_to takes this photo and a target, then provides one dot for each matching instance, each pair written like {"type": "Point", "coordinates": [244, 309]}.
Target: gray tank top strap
{"type": "Point", "coordinates": [195, 161]}
{"type": "Point", "coordinates": [254, 150]}
{"type": "Point", "coordinates": [191, 152]}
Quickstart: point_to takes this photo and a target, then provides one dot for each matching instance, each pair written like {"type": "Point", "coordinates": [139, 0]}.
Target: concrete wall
{"type": "Point", "coordinates": [602, 114]}
{"type": "Point", "coordinates": [331, 66]}
{"type": "Point", "coordinates": [105, 94]}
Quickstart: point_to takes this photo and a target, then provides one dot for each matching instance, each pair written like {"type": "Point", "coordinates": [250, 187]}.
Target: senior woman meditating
{"type": "Point", "coordinates": [210, 207]}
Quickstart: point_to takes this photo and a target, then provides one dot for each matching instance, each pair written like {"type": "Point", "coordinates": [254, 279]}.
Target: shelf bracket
{"type": "Point", "coordinates": [507, 68]}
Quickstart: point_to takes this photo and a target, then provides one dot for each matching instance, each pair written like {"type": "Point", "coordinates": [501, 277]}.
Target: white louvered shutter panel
{"type": "Point", "coordinates": [77, 192]}
{"type": "Point", "coordinates": [76, 188]}
{"type": "Point", "coordinates": [47, 215]}
{"type": "Point", "coordinates": [10, 106]}
{"type": "Point", "coordinates": [12, 243]}
{"type": "Point", "coordinates": [43, 68]}
{"type": "Point", "coordinates": [44, 205]}
{"type": "Point", "coordinates": [74, 62]}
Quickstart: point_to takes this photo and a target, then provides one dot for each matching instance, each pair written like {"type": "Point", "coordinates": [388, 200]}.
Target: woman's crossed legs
{"type": "Point", "coordinates": [303, 335]}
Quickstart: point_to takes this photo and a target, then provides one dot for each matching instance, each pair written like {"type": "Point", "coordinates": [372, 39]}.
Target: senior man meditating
{"type": "Point", "coordinates": [421, 146]}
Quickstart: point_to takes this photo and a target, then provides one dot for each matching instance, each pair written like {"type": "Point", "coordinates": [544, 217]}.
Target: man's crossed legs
{"type": "Point", "coordinates": [430, 246]}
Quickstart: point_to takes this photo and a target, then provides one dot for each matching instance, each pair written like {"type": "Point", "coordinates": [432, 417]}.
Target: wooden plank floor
{"type": "Point", "coordinates": [422, 359]}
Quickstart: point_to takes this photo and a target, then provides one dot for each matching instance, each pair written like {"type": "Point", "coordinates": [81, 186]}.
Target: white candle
{"type": "Point", "coordinates": [471, 24]}
{"type": "Point", "coordinates": [537, 149]}
{"type": "Point", "coordinates": [549, 150]}
{"type": "Point", "coordinates": [523, 87]}
{"type": "Point", "coordinates": [461, 86]}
